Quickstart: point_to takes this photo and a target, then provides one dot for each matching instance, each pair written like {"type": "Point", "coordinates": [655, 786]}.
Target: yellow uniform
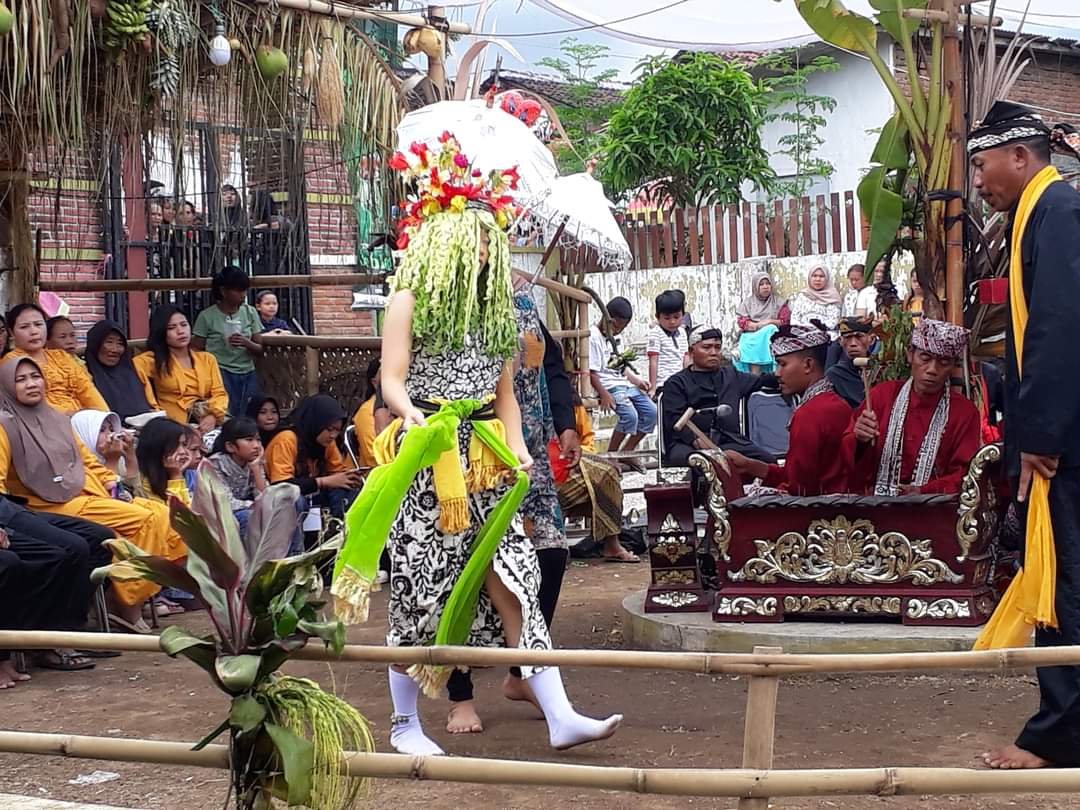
{"type": "Point", "coordinates": [364, 422]}
{"type": "Point", "coordinates": [68, 387]}
{"type": "Point", "coordinates": [179, 388]}
{"type": "Point", "coordinates": [281, 458]}
{"type": "Point", "coordinates": [145, 523]}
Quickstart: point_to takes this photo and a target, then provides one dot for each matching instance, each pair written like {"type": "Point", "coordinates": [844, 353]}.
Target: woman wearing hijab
{"type": "Point", "coordinates": [109, 363]}
{"type": "Point", "coordinates": [306, 453]}
{"type": "Point", "coordinates": [44, 463]}
{"type": "Point", "coordinates": [759, 315]}
{"type": "Point", "coordinates": [102, 434]}
{"type": "Point", "coordinates": [819, 301]}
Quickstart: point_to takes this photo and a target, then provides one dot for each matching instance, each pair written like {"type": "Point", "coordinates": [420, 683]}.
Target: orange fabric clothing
{"type": "Point", "coordinates": [143, 522]}
{"type": "Point", "coordinates": [584, 426]}
{"type": "Point", "coordinates": [180, 388]}
{"type": "Point", "coordinates": [281, 459]}
{"type": "Point", "coordinates": [68, 387]}
{"type": "Point", "coordinates": [364, 422]}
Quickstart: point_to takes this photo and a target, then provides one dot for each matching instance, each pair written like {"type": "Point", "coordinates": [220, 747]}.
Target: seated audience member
{"type": "Point", "coordinates": [364, 420]}
{"type": "Point", "coordinates": [819, 300]}
{"type": "Point", "coordinates": [306, 454]}
{"type": "Point", "coordinates": [68, 386]}
{"type": "Point", "coordinates": [163, 453]}
{"type": "Point", "coordinates": [913, 303]}
{"type": "Point", "coordinates": [109, 363]}
{"type": "Point", "coordinates": [866, 305]}
{"type": "Point", "coordinates": [60, 334]}
{"type": "Point", "coordinates": [103, 435]}
{"type": "Point", "coordinates": [5, 339]}
{"type": "Point", "coordinates": [667, 346]}
{"type": "Point", "coordinates": [267, 415]}
{"type": "Point", "coordinates": [758, 316]}
{"type": "Point", "coordinates": [180, 375]}
{"type": "Point", "coordinates": [199, 417]}
{"type": "Point", "coordinates": [238, 459]}
{"type": "Point", "coordinates": [589, 485]}
{"type": "Point", "coordinates": [266, 304]}
{"type": "Point", "coordinates": [916, 436]}
{"type": "Point", "coordinates": [814, 464]}
{"type": "Point", "coordinates": [619, 389]}
{"type": "Point", "coordinates": [43, 462]}
{"type": "Point", "coordinates": [705, 385]}
{"type": "Point", "coordinates": [230, 331]}
{"type": "Point", "coordinates": [857, 340]}
{"type": "Point", "coordinates": [856, 276]}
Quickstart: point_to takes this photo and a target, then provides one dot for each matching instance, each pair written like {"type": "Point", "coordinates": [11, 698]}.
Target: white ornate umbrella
{"type": "Point", "coordinates": [576, 213]}
{"type": "Point", "coordinates": [490, 138]}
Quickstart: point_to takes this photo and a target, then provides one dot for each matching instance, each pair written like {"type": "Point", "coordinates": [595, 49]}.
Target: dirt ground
{"type": "Point", "coordinates": [672, 720]}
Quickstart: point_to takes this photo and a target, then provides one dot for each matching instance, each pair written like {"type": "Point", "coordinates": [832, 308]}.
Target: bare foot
{"type": "Point", "coordinates": [463, 718]}
{"type": "Point", "coordinates": [1012, 757]}
{"type": "Point", "coordinates": [518, 689]}
{"type": "Point", "coordinates": [9, 675]}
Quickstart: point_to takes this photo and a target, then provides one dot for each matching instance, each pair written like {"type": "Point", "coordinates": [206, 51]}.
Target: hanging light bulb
{"type": "Point", "coordinates": [220, 49]}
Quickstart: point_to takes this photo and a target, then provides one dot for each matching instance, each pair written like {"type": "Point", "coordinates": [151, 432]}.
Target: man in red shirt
{"type": "Point", "coordinates": [916, 436]}
{"type": "Point", "coordinates": [814, 465]}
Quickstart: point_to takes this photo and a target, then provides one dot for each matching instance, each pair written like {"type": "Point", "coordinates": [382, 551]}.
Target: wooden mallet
{"type": "Point", "coordinates": [686, 421]}
{"type": "Point", "coordinates": [865, 364]}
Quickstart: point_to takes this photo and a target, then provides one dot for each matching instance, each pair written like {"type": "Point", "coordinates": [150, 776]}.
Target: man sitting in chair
{"type": "Point", "coordinates": [814, 465]}
{"type": "Point", "coordinates": [715, 391]}
{"type": "Point", "coordinates": [916, 436]}
{"type": "Point", "coordinates": [857, 340]}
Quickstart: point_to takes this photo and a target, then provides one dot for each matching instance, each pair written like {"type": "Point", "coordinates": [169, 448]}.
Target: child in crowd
{"type": "Point", "coordinates": [238, 459]}
{"type": "Point", "coordinates": [267, 305]}
{"type": "Point", "coordinates": [60, 334]}
{"type": "Point", "coordinates": [267, 415]}
{"type": "Point", "coordinates": [618, 387]}
{"type": "Point", "coordinates": [668, 340]}
{"type": "Point", "coordinates": [197, 419]}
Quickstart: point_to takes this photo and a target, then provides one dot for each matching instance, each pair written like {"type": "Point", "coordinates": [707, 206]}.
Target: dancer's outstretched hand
{"type": "Point", "coordinates": [414, 417]}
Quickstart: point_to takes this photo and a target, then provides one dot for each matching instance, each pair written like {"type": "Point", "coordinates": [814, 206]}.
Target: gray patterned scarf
{"type": "Point", "coordinates": [888, 476]}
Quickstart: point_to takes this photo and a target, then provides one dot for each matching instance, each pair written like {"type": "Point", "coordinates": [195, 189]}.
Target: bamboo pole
{"type": "Point", "coordinates": [170, 284]}
{"type": "Point", "coordinates": [559, 334]}
{"type": "Point", "coordinates": [702, 662]}
{"type": "Point", "coordinates": [322, 341]}
{"type": "Point", "coordinates": [311, 370]}
{"type": "Point", "coordinates": [556, 287]}
{"type": "Point", "coordinates": [954, 208]}
{"type": "Point", "coordinates": [584, 384]}
{"type": "Point", "coordinates": [759, 735]}
{"type": "Point", "coordinates": [344, 11]}
{"type": "Point", "coordinates": [658, 781]}
{"type": "Point", "coordinates": [975, 20]}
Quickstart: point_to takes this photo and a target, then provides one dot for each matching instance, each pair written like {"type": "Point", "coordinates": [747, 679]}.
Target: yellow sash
{"type": "Point", "coordinates": [1029, 600]}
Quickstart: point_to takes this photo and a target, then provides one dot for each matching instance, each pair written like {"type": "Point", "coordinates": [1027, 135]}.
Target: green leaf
{"type": "Point", "coordinates": [297, 761]}
{"type": "Point", "coordinates": [276, 654]}
{"type": "Point", "coordinates": [836, 24]}
{"type": "Point", "coordinates": [272, 523]}
{"type": "Point", "coordinates": [884, 209]}
{"type": "Point", "coordinates": [212, 503]}
{"type": "Point", "coordinates": [237, 672]}
{"type": "Point", "coordinates": [286, 620]}
{"type": "Point", "coordinates": [275, 576]}
{"type": "Point", "coordinates": [893, 148]}
{"type": "Point", "coordinates": [333, 633]}
{"type": "Point", "coordinates": [889, 11]}
{"type": "Point", "coordinates": [222, 569]}
{"type": "Point", "coordinates": [213, 735]}
{"type": "Point", "coordinates": [176, 641]}
{"type": "Point", "coordinates": [246, 714]}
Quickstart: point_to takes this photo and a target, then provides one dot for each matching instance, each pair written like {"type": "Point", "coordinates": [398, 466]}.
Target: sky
{"type": "Point", "coordinates": [694, 21]}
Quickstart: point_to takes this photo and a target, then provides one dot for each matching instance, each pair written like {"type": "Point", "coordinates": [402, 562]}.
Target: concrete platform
{"type": "Point", "coordinates": [11, 802]}
{"type": "Point", "coordinates": [697, 632]}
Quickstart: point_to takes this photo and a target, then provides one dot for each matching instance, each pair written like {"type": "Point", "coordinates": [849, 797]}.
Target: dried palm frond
{"type": "Point", "coordinates": [330, 95]}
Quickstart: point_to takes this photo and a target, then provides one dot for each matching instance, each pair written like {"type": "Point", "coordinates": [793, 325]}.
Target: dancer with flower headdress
{"type": "Point", "coordinates": [462, 571]}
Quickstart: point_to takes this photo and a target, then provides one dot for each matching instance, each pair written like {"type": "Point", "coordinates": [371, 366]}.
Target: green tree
{"type": "Point", "coordinates": [585, 115]}
{"type": "Point", "coordinates": [689, 131]}
{"type": "Point", "coordinates": [803, 112]}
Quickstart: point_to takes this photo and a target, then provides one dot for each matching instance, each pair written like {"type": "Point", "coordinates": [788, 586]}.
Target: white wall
{"type": "Point", "coordinates": [863, 105]}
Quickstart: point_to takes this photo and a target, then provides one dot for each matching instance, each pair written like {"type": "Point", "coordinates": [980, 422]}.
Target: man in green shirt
{"type": "Point", "coordinates": [230, 330]}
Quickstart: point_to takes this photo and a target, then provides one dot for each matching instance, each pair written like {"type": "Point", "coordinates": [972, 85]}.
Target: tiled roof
{"type": "Point", "coordinates": [552, 88]}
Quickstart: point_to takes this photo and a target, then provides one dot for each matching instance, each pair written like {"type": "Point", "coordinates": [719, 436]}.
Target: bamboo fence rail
{"type": "Point", "coordinates": [771, 664]}
{"type": "Point", "coordinates": [115, 285]}
{"type": "Point", "coordinates": [748, 784]}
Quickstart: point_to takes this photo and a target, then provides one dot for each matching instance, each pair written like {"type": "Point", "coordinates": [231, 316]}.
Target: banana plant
{"type": "Point", "coordinates": [286, 735]}
{"type": "Point", "coordinates": [916, 136]}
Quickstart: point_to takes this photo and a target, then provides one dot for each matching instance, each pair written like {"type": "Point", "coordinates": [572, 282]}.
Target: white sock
{"type": "Point", "coordinates": [567, 728]}
{"type": "Point", "coordinates": [406, 734]}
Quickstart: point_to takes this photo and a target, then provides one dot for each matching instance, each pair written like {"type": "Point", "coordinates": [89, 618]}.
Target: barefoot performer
{"type": "Point", "coordinates": [1010, 153]}
{"type": "Point", "coordinates": [462, 571]}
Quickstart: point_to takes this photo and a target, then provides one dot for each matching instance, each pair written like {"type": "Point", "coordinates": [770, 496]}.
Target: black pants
{"type": "Point", "coordinates": [1054, 732]}
{"type": "Point", "coordinates": [679, 455]}
{"type": "Point", "coordinates": [36, 582]}
{"type": "Point", "coordinates": [552, 568]}
{"type": "Point", "coordinates": [57, 547]}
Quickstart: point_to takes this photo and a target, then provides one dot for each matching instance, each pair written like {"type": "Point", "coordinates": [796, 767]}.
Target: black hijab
{"type": "Point", "coordinates": [312, 416]}
{"type": "Point", "coordinates": [120, 385]}
{"type": "Point", "coordinates": [252, 411]}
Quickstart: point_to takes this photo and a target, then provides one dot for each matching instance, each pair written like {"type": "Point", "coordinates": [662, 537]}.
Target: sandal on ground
{"type": "Point", "coordinates": [140, 628]}
{"type": "Point", "coordinates": [628, 557]}
{"type": "Point", "coordinates": [63, 661]}
{"type": "Point", "coordinates": [99, 653]}
{"type": "Point", "coordinates": [166, 607]}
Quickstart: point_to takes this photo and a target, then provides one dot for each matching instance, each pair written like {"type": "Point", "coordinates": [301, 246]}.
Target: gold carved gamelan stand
{"type": "Point", "coordinates": [920, 559]}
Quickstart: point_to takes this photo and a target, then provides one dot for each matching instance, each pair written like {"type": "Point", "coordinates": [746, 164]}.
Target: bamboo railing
{"type": "Point", "coordinates": [753, 784]}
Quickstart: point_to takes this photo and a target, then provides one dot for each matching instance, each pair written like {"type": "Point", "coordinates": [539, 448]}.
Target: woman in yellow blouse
{"type": "Point", "coordinates": [364, 420]}
{"type": "Point", "coordinates": [181, 376]}
{"type": "Point", "coordinates": [43, 462]}
{"type": "Point", "coordinates": [68, 385]}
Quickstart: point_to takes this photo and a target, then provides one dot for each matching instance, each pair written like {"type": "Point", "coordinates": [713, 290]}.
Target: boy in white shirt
{"type": "Point", "coordinates": [619, 389]}
{"type": "Point", "coordinates": [668, 342]}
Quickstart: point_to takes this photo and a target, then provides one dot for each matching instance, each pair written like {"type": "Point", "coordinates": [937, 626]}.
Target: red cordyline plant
{"type": "Point", "coordinates": [286, 735]}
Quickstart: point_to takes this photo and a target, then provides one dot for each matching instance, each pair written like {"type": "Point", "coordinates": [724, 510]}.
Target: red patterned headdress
{"type": "Point", "coordinates": [447, 182]}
